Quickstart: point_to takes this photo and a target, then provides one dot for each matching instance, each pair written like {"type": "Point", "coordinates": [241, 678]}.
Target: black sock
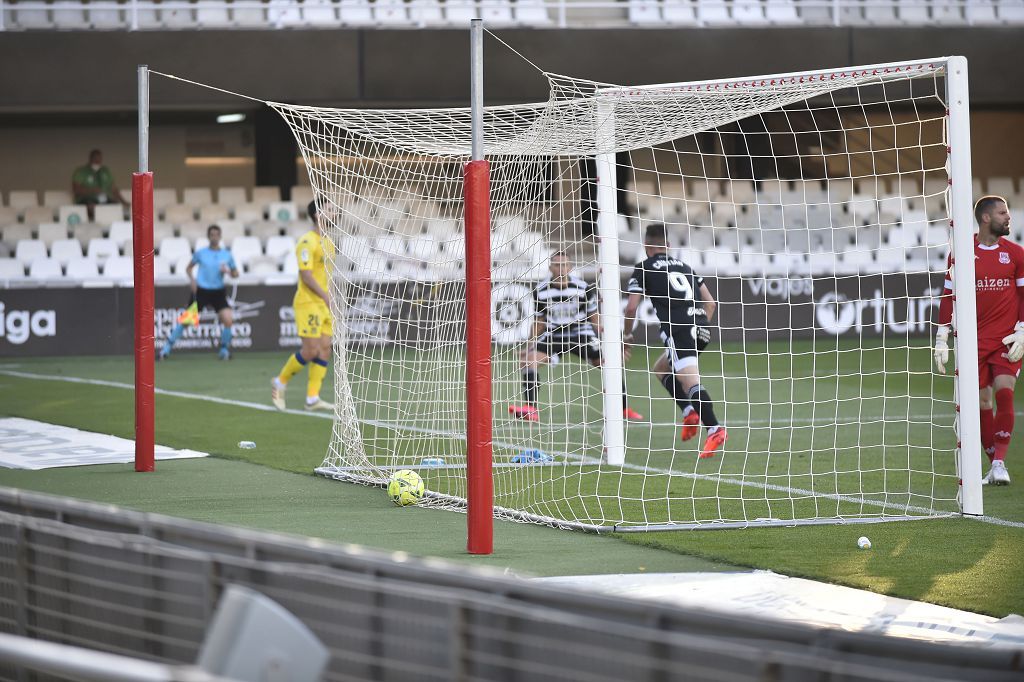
{"type": "Point", "coordinates": [530, 387]}
{"type": "Point", "coordinates": [624, 404]}
{"type": "Point", "coordinates": [676, 391]}
{"type": "Point", "coordinates": [701, 402]}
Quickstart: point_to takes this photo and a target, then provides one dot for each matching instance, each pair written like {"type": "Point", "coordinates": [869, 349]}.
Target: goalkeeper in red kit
{"type": "Point", "coordinates": [999, 289]}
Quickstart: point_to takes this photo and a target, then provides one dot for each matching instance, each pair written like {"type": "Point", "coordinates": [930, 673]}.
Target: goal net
{"type": "Point", "coordinates": [815, 206]}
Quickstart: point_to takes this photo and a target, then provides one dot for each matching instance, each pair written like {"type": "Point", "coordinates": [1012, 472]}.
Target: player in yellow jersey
{"type": "Point", "coordinates": [312, 317]}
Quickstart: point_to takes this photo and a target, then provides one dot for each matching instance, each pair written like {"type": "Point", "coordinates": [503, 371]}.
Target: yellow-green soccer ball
{"type": "Point", "coordinates": [405, 487]}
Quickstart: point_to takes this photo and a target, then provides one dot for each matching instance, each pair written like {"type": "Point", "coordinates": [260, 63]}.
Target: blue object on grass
{"type": "Point", "coordinates": [432, 462]}
{"type": "Point", "coordinates": [533, 456]}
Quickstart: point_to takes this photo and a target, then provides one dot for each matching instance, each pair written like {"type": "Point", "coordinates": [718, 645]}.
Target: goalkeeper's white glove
{"type": "Point", "coordinates": [1015, 343]}
{"type": "Point", "coordinates": [941, 348]}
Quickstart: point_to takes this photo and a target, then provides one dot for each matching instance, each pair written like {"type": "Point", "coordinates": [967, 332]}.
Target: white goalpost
{"type": "Point", "coordinates": [819, 208]}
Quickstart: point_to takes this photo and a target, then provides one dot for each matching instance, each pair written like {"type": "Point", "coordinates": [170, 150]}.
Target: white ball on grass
{"type": "Point", "coordinates": [863, 543]}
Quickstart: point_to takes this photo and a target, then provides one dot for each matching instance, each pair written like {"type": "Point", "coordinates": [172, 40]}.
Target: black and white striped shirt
{"type": "Point", "coordinates": [566, 309]}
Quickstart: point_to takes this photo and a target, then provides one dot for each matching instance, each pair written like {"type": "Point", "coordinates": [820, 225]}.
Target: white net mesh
{"type": "Point", "coordinates": [815, 208]}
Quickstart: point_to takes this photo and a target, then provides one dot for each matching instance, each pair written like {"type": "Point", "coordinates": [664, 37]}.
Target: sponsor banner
{"type": "Point", "coordinates": [28, 444]}
{"type": "Point", "coordinates": [40, 322]}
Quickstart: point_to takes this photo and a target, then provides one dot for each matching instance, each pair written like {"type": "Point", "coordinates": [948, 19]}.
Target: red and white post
{"type": "Point", "coordinates": [476, 188]}
{"type": "Point", "coordinates": [142, 235]}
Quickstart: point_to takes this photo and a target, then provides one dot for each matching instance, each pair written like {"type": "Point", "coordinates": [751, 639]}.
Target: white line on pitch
{"type": "Point", "coordinates": [714, 478]}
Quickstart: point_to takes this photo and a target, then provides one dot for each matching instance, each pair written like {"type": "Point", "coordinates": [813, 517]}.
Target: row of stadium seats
{"type": "Point", "coordinates": [367, 262]}
{"type": "Point", "coordinates": [844, 12]}
{"type": "Point", "coordinates": [219, 14]}
{"type": "Point", "coordinates": [24, 205]}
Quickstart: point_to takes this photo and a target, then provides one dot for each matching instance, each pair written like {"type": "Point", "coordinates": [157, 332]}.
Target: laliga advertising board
{"type": "Point", "coordinates": [98, 321]}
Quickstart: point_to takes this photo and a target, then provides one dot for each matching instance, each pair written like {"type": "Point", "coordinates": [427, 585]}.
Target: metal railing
{"type": "Point", "coordinates": [143, 585]}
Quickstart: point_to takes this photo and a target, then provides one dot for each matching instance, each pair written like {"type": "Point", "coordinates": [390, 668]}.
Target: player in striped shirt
{"type": "Point", "coordinates": [999, 292]}
{"type": "Point", "coordinates": [566, 321]}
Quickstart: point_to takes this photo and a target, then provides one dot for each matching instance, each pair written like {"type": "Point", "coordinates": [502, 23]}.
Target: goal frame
{"type": "Point", "coordinates": [968, 430]}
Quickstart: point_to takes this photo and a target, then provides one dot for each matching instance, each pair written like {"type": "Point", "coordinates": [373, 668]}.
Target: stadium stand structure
{"type": "Point", "coordinates": [807, 228]}
{"type": "Point", "coordinates": [109, 15]}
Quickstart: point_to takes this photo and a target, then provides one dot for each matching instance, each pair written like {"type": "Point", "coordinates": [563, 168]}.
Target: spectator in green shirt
{"type": "Point", "coordinates": [94, 184]}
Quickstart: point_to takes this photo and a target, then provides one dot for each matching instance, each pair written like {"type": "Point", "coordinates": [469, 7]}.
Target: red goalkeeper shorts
{"type": "Point", "coordinates": [992, 361]}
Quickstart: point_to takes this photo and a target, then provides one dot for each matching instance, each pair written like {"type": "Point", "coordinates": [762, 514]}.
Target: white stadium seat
{"type": "Point", "coordinates": [55, 198]}
{"type": "Point", "coordinates": [248, 213]}
{"type": "Point", "coordinates": [282, 211]}
{"type": "Point", "coordinates": [881, 14]}
{"type": "Point", "coordinates": [29, 250]}
{"type": "Point", "coordinates": [229, 230]}
{"type": "Point", "coordinates": [101, 249]}
{"type": "Point", "coordinates": [174, 248]}
{"type": "Point", "coordinates": [180, 264]}
{"type": "Point", "coordinates": [213, 14]}
{"type": "Point", "coordinates": [68, 15]}
{"type": "Point", "coordinates": [179, 213]}
{"type": "Point", "coordinates": [72, 215]}
{"type": "Point", "coordinates": [8, 215]}
{"type": "Point", "coordinates": [120, 268]}
{"type": "Point", "coordinates": [1011, 11]}
{"type": "Point", "coordinates": [325, 13]}
{"type": "Point", "coordinates": [45, 268]}
{"type": "Point", "coordinates": [280, 247]}
{"type": "Point", "coordinates": [48, 233]}
{"type": "Point", "coordinates": [253, 16]}
{"type": "Point", "coordinates": [262, 265]}
{"type": "Point", "coordinates": [460, 12]}
{"type": "Point", "coordinates": [65, 250]}
{"type": "Point", "coordinates": [106, 18]}
{"type": "Point", "coordinates": [245, 249]}
{"type": "Point", "coordinates": [421, 13]}
{"type": "Point", "coordinates": [31, 14]}
{"type": "Point", "coordinates": [122, 231]}
{"type": "Point", "coordinates": [146, 14]}
{"type": "Point", "coordinates": [22, 198]}
{"type": "Point", "coordinates": [164, 197]}
{"type": "Point", "coordinates": [494, 12]}
{"type": "Point", "coordinates": [11, 269]}
{"type": "Point", "coordinates": [781, 12]}
{"type": "Point", "coordinates": [213, 213]}
{"type": "Point", "coordinates": [947, 12]}
{"type": "Point", "coordinates": [161, 266]}
{"type": "Point", "coordinates": [1001, 185]}
{"type": "Point", "coordinates": [531, 13]}
{"type": "Point", "coordinates": [713, 12]}
{"type": "Point", "coordinates": [677, 12]}
{"type": "Point", "coordinates": [84, 232]}
{"type": "Point", "coordinates": [281, 13]}
{"type": "Point", "coordinates": [14, 233]}
{"type": "Point", "coordinates": [748, 12]}
{"type": "Point", "coordinates": [108, 214]}
{"type": "Point", "coordinates": [82, 268]}
{"type": "Point", "coordinates": [359, 12]}
{"type": "Point", "coordinates": [913, 13]}
{"type": "Point", "coordinates": [232, 196]}
{"type": "Point", "coordinates": [197, 196]}
{"type": "Point", "coordinates": [177, 16]}
{"type": "Point", "coordinates": [647, 11]}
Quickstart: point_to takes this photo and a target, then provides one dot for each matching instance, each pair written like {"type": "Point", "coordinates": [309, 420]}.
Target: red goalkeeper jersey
{"type": "Point", "coordinates": [998, 273]}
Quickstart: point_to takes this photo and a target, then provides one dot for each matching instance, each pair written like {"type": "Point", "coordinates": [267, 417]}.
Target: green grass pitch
{"type": "Point", "coordinates": [795, 427]}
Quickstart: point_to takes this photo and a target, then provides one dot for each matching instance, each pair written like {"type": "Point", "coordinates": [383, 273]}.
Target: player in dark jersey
{"type": "Point", "coordinates": [673, 289]}
{"type": "Point", "coordinates": [566, 321]}
{"type": "Point", "coordinates": [999, 292]}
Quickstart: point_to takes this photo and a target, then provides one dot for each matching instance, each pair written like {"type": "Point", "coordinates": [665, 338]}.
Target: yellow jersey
{"type": "Point", "coordinates": [313, 253]}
